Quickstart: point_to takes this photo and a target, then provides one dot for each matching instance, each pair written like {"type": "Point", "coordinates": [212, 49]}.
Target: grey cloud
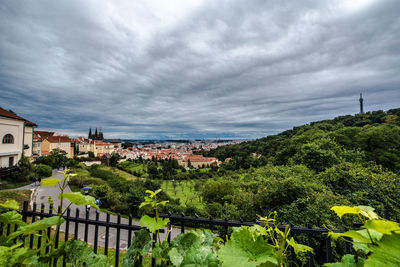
{"type": "Point", "coordinates": [220, 68]}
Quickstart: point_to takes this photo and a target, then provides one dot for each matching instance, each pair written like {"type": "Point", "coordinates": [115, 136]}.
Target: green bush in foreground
{"type": "Point", "coordinates": [247, 246]}
{"type": "Point", "coordinates": [12, 252]}
{"type": "Point", "coordinates": [376, 243]}
{"type": "Point", "coordinates": [378, 238]}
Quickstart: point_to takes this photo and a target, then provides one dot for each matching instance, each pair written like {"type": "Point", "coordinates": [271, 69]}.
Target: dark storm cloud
{"type": "Point", "coordinates": [196, 68]}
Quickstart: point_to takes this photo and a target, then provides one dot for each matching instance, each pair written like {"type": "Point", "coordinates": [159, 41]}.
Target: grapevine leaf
{"type": "Point", "coordinates": [157, 191]}
{"type": "Point", "coordinates": [348, 260]}
{"type": "Point", "coordinates": [387, 253]}
{"type": "Point", "coordinates": [382, 226]}
{"type": "Point", "coordinates": [360, 236]}
{"type": "Point", "coordinates": [163, 203]}
{"type": "Point", "coordinates": [10, 204]}
{"type": "Point", "coordinates": [78, 199]}
{"type": "Point", "coordinates": [243, 250]}
{"type": "Point", "coordinates": [193, 249]}
{"type": "Point", "coordinates": [368, 212]}
{"type": "Point", "coordinates": [342, 210]}
{"type": "Point", "coordinates": [298, 248]}
{"type": "Point", "coordinates": [50, 182]}
{"type": "Point", "coordinates": [19, 255]}
{"type": "Point", "coordinates": [78, 251]}
{"type": "Point", "coordinates": [161, 250]}
{"type": "Point", "coordinates": [258, 230]}
{"type": "Point", "coordinates": [36, 226]}
{"type": "Point", "coordinates": [140, 247]}
{"type": "Point", "coordinates": [360, 246]}
{"type": "Point", "coordinates": [152, 224]}
{"type": "Point", "coordinates": [12, 217]}
{"type": "Point", "coordinates": [4, 253]}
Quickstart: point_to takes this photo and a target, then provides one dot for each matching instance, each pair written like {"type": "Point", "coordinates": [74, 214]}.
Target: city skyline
{"type": "Point", "coordinates": [196, 69]}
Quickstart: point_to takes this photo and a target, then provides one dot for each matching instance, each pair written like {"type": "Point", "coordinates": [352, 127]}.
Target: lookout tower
{"type": "Point", "coordinates": [361, 104]}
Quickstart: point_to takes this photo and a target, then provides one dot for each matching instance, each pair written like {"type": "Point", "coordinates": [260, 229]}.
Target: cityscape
{"type": "Point", "coordinates": [199, 133]}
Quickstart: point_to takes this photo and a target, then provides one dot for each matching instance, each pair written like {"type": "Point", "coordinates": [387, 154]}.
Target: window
{"type": "Point", "coordinates": [8, 139]}
{"type": "Point", "coordinates": [10, 161]}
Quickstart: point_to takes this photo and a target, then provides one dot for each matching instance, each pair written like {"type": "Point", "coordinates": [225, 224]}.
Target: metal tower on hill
{"type": "Point", "coordinates": [361, 104]}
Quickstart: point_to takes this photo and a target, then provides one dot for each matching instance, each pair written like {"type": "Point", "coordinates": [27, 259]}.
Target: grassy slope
{"type": "Point", "coordinates": [184, 191]}
{"type": "Point", "coordinates": [18, 195]}
{"type": "Point", "coordinates": [10, 185]}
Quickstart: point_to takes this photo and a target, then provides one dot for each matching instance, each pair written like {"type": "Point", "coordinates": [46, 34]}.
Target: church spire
{"type": "Point", "coordinates": [95, 135]}
{"type": "Point", "coordinates": [90, 133]}
{"type": "Point", "coordinates": [101, 134]}
{"type": "Point", "coordinates": [361, 104]}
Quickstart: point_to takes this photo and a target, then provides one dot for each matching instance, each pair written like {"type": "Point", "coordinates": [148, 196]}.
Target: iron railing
{"type": "Point", "coordinates": [112, 232]}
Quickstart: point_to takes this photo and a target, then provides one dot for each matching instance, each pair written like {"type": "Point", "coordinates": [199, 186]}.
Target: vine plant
{"type": "Point", "coordinates": [248, 246]}
{"type": "Point", "coordinates": [376, 243]}
{"type": "Point", "coordinates": [12, 252]}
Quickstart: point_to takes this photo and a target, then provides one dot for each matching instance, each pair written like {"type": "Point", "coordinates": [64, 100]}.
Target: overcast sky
{"type": "Point", "coordinates": [196, 69]}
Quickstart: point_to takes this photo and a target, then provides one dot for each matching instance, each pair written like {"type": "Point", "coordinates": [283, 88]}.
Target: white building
{"type": "Point", "coordinates": [16, 136]}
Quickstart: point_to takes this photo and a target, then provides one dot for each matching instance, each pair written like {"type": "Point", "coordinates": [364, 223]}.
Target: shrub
{"type": "Point", "coordinates": [43, 170]}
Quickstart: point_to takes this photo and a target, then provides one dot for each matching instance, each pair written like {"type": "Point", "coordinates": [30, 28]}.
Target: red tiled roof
{"type": "Point", "coordinates": [41, 135]}
{"type": "Point", "coordinates": [59, 139]}
{"type": "Point", "coordinates": [8, 114]}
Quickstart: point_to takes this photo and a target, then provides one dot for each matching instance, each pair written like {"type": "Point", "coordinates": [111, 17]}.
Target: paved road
{"type": "Point", "coordinates": [41, 194]}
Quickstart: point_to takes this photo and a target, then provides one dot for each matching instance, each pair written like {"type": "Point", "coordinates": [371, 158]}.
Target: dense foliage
{"type": "Point", "coordinates": [373, 136]}
{"type": "Point", "coordinates": [116, 193]}
{"type": "Point", "coordinates": [350, 160]}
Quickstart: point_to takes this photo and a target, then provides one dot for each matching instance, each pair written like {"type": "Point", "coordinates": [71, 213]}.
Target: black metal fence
{"type": "Point", "coordinates": [89, 226]}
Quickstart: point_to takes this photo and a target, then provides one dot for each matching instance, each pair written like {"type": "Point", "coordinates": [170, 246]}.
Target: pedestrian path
{"type": "Point", "coordinates": [42, 194]}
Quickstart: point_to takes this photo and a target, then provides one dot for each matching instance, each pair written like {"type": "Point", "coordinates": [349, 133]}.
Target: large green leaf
{"type": "Point", "coordinates": [140, 247]}
{"type": "Point", "coordinates": [347, 261]}
{"type": "Point", "coordinates": [79, 252]}
{"type": "Point", "coordinates": [386, 253]}
{"type": "Point", "coordinates": [15, 255]}
{"type": "Point", "coordinates": [4, 254]}
{"type": "Point", "coordinates": [299, 248]}
{"type": "Point", "coordinates": [50, 182]}
{"type": "Point", "coordinates": [152, 224]}
{"type": "Point", "coordinates": [36, 226]}
{"type": "Point", "coordinates": [360, 235]}
{"type": "Point", "coordinates": [382, 226]}
{"type": "Point", "coordinates": [366, 211]}
{"type": "Point", "coordinates": [10, 204]}
{"type": "Point", "coordinates": [78, 199]}
{"type": "Point", "coordinates": [12, 217]}
{"type": "Point", "coordinates": [342, 210]}
{"type": "Point", "coordinates": [20, 255]}
{"type": "Point", "coordinates": [193, 249]}
{"type": "Point", "coordinates": [246, 249]}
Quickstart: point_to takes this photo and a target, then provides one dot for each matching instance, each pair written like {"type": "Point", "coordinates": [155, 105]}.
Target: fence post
{"type": "Point", "coordinates": [49, 229]}
{"type": "Point", "coordinates": [183, 223]}
{"type": "Point", "coordinates": [118, 239]}
{"type": "Point", "coordinates": [24, 210]}
{"type": "Point", "coordinates": [292, 256]}
{"type": "Point", "coordinates": [96, 232]}
{"type": "Point", "coordinates": [33, 220]}
{"type": "Point", "coordinates": [328, 249]}
{"type": "Point", "coordinates": [107, 234]}
{"type": "Point", "coordinates": [129, 231]}
{"type": "Point", "coordinates": [226, 229]}
{"type": "Point", "coordinates": [169, 230]}
{"type": "Point", "coordinates": [309, 243]}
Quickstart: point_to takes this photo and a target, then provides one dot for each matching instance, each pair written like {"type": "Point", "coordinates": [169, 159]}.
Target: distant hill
{"type": "Point", "coordinates": [372, 136]}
